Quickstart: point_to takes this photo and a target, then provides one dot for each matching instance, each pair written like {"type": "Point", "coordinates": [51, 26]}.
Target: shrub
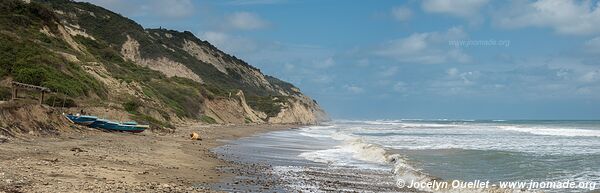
{"type": "Point", "coordinates": [184, 99]}
{"type": "Point", "coordinates": [268, 104]}
{"type": "Point", "coordinates": [3, 72]}
{"type": "Point", "coordinates": [5, 93]}
{"type": "Point", "coordinates": [34, 76]}
{"type": "Point", "coordinates": [154, 123]}
{"type": "Point", "coordinates": [208, 119]}
{"type": "Point", "coordinates": [132, 106]}
{"type": "Point", "coordinates": [30, 63]}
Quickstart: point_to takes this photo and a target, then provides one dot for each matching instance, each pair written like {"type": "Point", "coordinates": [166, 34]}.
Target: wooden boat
{"type": "Point", "coordinates": [82, 119]}
{"type": "Point", "coordinates": [129, 123]}
{"type": "Point", "coordinates": [98, 123]}
{"type": "Point", "coordinates": [94, 122]}
{"type": "Point", "coordinates": [125, 127]}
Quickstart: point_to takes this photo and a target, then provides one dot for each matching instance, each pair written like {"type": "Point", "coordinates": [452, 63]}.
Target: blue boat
{"type": "Point", "coordinates": [98, 123]}
{"type": "Point", "coordinates": [126, 127]}
{"type": "Point", "coordinates": [109, 125]}
{"type": "Point", "coordinates": [82, 119]}
{"type": "Point", "coordinates": [94, 122]}
{"type": "Point", "coordinates": [129, 123]}
{"type": "Point", "coordinates": [136, 128]}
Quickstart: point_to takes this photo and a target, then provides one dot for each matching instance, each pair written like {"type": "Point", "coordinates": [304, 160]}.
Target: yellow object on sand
{"type": "Point", "coordinates": [195, 136]}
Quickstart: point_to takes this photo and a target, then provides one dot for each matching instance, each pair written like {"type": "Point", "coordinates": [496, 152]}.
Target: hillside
{"type": "Point", "coordinates": [101, 62]}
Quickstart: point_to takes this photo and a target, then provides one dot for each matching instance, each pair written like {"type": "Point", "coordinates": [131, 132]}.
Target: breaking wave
{"type": "Point", "coordinates": [554, 131]}
{"type": "Point", "coordinates": [375, 145]}
{"type": "Point", "coordinates": [376, 157]}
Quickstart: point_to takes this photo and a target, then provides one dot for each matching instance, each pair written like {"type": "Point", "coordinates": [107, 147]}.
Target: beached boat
{"type": "Point", "coordinates": [129, 123]}
{"type": "Point", "coordinates": [95, 122]}
{"type": "Point", "coordinates": [98, 123]}
{"type": "Point", "coordinates": [82, 119]}
{"type": "Point", "coordinates": [126, 127]}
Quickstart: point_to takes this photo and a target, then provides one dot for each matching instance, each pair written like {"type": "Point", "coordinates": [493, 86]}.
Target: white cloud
{"type": "Point", "coordinates": [571, 69]}
{"type": "Point", "coordinates": [354, 89]}
{"type": "Point", "coordinates": [275, 53]}
{"type": "Point", "coordinates": [589, 77]}
{"type": "Point", "coordinates": [390, 71]}
{"type": "Point", "coordinates": [326, 63]}
{"type": "Point", "coordinates": [564, 16]}
{"type": "Point", "coordinates": [297, 63]}
{"type": "Point", "coordinates": [320, 78]}
{"type": "Point", "coordinates": [465, 77]}
{"type": "Point", "coordinates": [363, 62]}
{"type": "Point", "coordinates": [457, 82]}
{"type": "Point", "coordinates": [400, 87]}
{"type": "Point", "coordinates": [564, 77]}
{"type": "Point", "coordinates": [246, 21]}
{"type": "Point", "coordinates": [228, 43]}
{"type": "Point", "coordinates": [414, 43]}
{"type": "Point", "coordinates": [401, 13]}
{"type": "Point", "coordinates": [216, 38]}
{"type": "Point", "coordinates": [461, 8]}
{"type": "Point", "coordinates": [452, 72]}
{"type": "Point", "coordinates": [527, 78]}
{"type": "Point", "coordinates": [592, 46]}
{"type": "Point", "coordinates": [458, 56]}
{"type": "Point", "coordinates": [289, 67]}
{"type": "Point", "coordinates": [426, 48]}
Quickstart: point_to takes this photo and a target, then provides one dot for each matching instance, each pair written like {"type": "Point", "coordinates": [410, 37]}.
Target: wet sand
{"type": "Point", "coordinates": [95, 161]}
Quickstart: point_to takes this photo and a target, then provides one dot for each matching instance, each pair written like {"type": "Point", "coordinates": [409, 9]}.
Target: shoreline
{"type": "Point", "coordinates": [277, 162]}
{"type": "Point", "coordinates": [97, 161]}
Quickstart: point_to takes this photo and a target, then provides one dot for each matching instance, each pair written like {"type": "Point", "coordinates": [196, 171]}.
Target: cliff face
{"type": "Point", "coordinates": [104, 60]}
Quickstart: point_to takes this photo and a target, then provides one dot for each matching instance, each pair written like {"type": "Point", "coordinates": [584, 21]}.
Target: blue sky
{"type": "Point", "coordinates": [395, 59]}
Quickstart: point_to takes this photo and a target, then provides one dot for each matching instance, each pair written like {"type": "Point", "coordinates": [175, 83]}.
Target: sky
{"type": "Point", "coordinates": [429, 59]}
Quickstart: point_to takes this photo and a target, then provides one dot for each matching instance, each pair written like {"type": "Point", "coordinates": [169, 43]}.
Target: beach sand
{"type": "Point", "coordinates": [95, 161]}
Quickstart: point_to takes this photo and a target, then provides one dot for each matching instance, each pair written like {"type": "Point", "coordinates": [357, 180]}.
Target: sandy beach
{"type": "Point", "coordinates": [90, 160]}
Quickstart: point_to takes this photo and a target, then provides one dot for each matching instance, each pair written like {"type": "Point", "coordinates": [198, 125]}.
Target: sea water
{"type": "Point", "coordinates": [377, 155]}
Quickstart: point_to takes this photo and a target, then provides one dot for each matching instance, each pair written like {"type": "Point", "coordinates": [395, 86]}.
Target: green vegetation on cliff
{"type": "Point", "coordinates": [75, 49]}
{"type": "Point", "coordinates": [24, 52]}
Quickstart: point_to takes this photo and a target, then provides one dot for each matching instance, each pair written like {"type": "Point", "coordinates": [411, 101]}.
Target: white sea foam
{"type": "Point", "coordinates": [321, 131]}
{"type": "Point", "coordinates": [316, 135]}
{"type": "Point", "coordinates": [369, 156]}
{"type": "Point", "coordinates": [366, 144]}
{"type": "Point", "coordinates": [365, 151]}
{"type": "Point", "coordinates": [318, 127]}
{"type": "Point", "coordinates": [554, 131]}
{"type": "Point", "coordinates": [377, 154]}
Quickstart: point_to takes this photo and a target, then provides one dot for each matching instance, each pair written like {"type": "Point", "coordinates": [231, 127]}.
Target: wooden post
{"type": "Point", "coordinates": [42, 98]}
{"type": "Point", "coordinates": [15, 93]}
{"type": "Point", "coordinates": [17, 85]}
{"type": "Point", "coordinates": [54, 102]}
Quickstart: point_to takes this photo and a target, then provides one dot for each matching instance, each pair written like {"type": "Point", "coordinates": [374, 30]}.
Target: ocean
{"type": "Point", "coordinates": [414, 155]}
